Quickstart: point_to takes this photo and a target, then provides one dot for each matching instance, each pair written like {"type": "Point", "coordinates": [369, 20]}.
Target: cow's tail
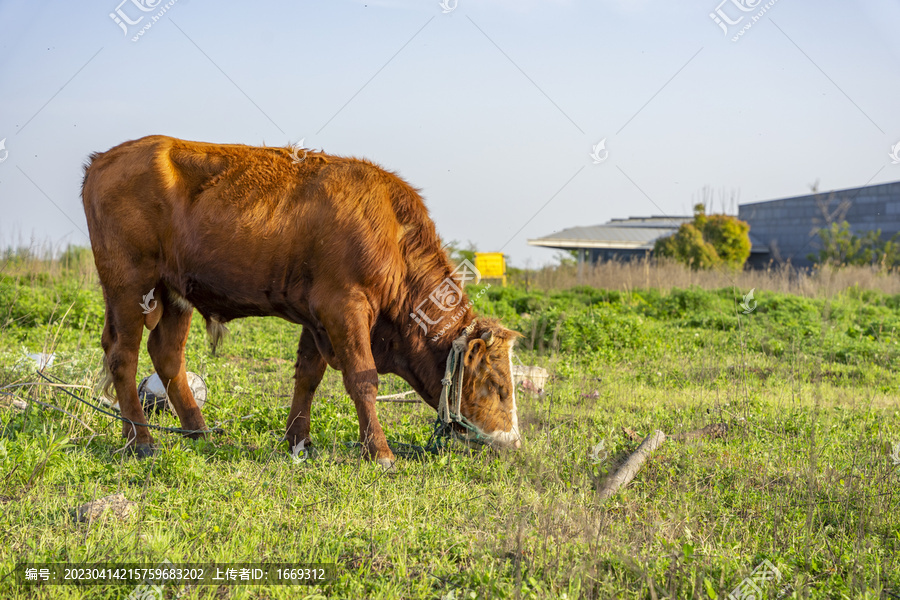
{"type": "Point", "coordinates": [216, 330]}
{"type": "Point", "coordinates": [105, 385]}
{"type": "Point", "coordinates": [86, 169]}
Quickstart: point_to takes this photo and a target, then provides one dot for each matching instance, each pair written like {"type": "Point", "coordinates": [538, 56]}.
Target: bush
{"type": "Point", "coordinates": [689, 247]}
{"type": "Point", "coordinates": [708, 242]}
{"type": "Point", "coordinates": [730, 238]}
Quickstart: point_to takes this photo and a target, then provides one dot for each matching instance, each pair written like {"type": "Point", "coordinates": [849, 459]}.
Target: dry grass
{"type": "Point", "coordinates": [47, 258]}
{"type": "Point", "coordinates": [664, 275]}
{"type": "Point", "coordinates": [55, 260]}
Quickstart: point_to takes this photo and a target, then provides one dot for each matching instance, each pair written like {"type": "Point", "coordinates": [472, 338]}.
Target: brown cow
{"type": "Point", "coordinates": [336, 244]}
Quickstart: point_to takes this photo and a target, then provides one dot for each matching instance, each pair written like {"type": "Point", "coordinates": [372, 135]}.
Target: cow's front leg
{"type": "Point", "coordinates": [362, 384]}
{"type": "Point", "coordinates": [348, 328]}
{"type": "Point", "coordinates": [308, 372]}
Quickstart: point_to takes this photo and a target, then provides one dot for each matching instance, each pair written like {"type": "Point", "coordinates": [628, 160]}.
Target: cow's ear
{"type": "Point", "coordinates": [476, 352]}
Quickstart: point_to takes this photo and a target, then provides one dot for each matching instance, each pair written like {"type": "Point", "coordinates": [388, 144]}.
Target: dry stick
{"type": "Point", "coordinates": [58, 329]}
{"type": "Point", "coordinates": [625, 473]}
{"type": "Point", "coordinates": [81, 334]}
{"type": "Point", "coordinates": [401, 397]}
{"type": "Point", "coordinates": [244, 418]}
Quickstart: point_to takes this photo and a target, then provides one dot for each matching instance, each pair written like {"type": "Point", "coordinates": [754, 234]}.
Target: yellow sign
{"type": "Point", "coordinates": [491, 265]}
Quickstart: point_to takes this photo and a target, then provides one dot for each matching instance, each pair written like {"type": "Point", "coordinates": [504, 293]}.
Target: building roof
{"type": "Point", "coordinates": [633, 233]}
{"type": "Point", "coordinates": [891, 188]}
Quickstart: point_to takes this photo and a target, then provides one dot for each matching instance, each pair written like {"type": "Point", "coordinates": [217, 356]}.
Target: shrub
{"type": "Point", "coordinates": [842, 247]}
{"type": "Point", "coordinates": [708, 241]}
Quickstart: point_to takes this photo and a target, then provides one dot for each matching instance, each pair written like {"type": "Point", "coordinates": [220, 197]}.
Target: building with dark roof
{"type": "Point", "coordinates": [784, 230]}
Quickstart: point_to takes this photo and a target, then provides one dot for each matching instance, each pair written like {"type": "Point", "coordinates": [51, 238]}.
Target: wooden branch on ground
{"type": "Point", "coordinates": [626, 472]}
{"type": "Point", "coordinates": [401, 397]}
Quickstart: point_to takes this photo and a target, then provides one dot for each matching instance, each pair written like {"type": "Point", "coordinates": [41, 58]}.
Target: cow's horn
{"type": "Point", "coordinates": [488, 337]}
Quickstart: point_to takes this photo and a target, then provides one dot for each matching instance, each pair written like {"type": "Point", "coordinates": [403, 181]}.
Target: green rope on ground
{"type": "Point", "coordinates": [123, 419]}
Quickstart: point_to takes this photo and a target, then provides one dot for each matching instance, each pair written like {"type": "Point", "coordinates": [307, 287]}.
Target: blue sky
{"type": "Point", "coordinates": [492, 108]}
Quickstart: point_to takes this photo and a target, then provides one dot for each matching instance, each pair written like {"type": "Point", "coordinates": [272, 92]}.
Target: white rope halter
{"type": "Point", "coordinates": [449, 406]}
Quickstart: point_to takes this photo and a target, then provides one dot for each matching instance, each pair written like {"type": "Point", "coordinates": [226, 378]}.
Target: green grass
{"type": "Point", "coordinates": [804, 479]}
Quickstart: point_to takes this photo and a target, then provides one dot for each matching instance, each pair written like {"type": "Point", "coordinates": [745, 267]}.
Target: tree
{"type": "Point", "coordinates": [688, 246]}
{"type": "Point", "coordinates": [708, 241]}
{"type": "Point", "coordinates": [730, 237]}
{"type": "Point", "coordinates": [841, 247]}
{"type": "Point", "coordinates": [457, 254]}
{"type": "Point", "coordinates": [566, 258]}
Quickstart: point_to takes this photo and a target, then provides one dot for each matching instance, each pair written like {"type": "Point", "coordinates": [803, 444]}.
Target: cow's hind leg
{"type": "Point", "coordinates": [121, 341]}
{"type": "Point", "coordinates": [308, 372]}
{"type": "Point", "coordinates": [166, 347]}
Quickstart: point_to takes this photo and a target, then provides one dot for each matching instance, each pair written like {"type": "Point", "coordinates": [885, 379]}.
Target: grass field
{"type": "Point", "coordinates": [807, 383]}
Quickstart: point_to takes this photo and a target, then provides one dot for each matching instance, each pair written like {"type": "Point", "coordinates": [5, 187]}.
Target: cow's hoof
{"type": "Point", "coordinates": [387, 464]}
{"type": "Point", "coordinates": [142, 450]}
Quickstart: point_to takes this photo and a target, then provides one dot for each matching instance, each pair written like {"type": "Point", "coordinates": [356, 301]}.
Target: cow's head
{"type": "Point", "coordinates": [489, 391]}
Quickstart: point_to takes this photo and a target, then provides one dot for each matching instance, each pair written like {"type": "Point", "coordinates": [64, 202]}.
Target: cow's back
{"type": "Point", "coordinates": [241, 230]}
